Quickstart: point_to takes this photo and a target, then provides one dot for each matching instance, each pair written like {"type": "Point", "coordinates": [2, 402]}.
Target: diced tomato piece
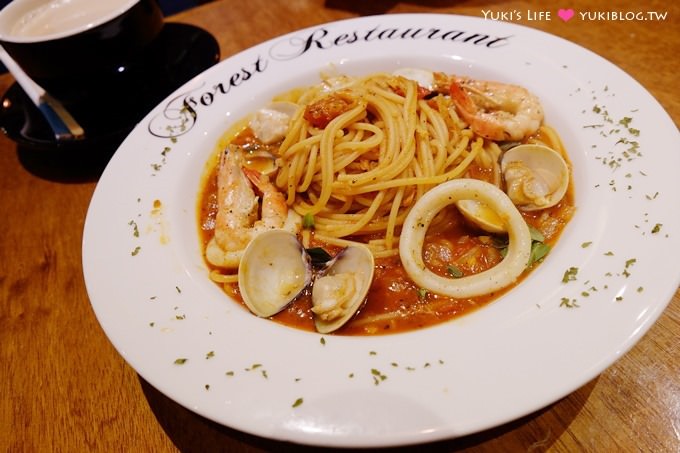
{"type": "Point", "coordinates": [326, 109]}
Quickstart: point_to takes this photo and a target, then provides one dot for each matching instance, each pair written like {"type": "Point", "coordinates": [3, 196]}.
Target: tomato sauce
{"type": "Point", "coordinates": [394, 303]}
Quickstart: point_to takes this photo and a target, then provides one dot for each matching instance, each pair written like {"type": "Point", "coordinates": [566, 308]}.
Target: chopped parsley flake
{"type": "Point", "coordinates": [570, 274]}
{"type": "Point", "coordinates": [135, 228]}
{"type": "Point", "coordinates": [210, 355]}
{"type": "Point", "coordinates": [454, 271]}
{"type": "Point", "coordinates": [629, 263]}
{"type": "Point", "coordinates": [378, 377]}
{"type": "Point", "coordinates": [135, 251]}
{"type": "Point", "coordinates": [298, 402]}
{"type": "Point", "coordinates": [566, 302]}
{"type": "Point", "coordinates": [181, 361]}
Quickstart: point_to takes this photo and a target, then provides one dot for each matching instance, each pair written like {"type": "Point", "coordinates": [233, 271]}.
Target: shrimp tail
{"type": "Point", "coordinates": [467, 108]}
{"type": "Point", "coordinates": [274, 207]}
{"type": "Point", "coordinates": [258, 179]}
{"type": "Point", "coordinates": [461, 99]}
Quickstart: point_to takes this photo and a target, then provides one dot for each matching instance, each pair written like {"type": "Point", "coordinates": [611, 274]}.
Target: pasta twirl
{"type": "Point", "coordinates": [361, 173]}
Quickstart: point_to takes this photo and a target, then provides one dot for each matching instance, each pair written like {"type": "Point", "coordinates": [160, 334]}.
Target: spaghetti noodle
{"type": "Point", "coordinates": [356, 155]}
{"type": "Point", "coordinates": [362, 172]}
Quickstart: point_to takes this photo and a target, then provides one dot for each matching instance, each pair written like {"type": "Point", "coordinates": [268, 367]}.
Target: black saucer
{"type": "Point", "coordinates": [180, 52]}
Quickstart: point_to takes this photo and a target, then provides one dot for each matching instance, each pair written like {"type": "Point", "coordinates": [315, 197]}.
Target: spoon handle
{"type": "Point", "coordinates": [64, 126]}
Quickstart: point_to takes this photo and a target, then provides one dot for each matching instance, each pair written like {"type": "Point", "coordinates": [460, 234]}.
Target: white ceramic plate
{"type": "Point", "coordinates": [149, 287]}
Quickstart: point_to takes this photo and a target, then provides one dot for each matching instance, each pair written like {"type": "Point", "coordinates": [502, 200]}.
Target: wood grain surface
{"type": "Point", "coordinates": [64, 388]}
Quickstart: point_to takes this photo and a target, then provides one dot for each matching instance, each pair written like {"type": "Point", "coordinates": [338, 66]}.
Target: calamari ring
{"type": "Point", "coordinates": [418, 220]}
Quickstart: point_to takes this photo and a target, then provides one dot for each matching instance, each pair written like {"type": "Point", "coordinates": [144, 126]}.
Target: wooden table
{"type": "Point", "coordinates": [64, 388]}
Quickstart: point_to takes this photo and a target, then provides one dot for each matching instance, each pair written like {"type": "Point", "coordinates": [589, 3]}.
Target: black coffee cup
{"type": "Point", "coordinates": [80, 51]}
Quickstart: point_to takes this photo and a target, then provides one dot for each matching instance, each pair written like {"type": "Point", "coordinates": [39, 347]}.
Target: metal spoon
{"type": "Point", "coordinates": [64, 126]}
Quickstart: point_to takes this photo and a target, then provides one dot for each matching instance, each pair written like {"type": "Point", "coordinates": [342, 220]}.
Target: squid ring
{"type": "Point", "coordinates": [419, 218]}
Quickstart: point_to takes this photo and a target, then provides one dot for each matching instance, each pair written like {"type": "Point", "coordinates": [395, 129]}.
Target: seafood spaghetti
{"type": "Point", "coordinates": [452, 187]}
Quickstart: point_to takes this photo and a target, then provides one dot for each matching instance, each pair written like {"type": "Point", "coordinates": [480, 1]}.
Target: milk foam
{"type": "Point", "coordinates": [63, 16]}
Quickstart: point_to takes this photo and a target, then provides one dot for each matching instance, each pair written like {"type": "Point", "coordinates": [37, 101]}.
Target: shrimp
{"type": "Point", "coordinates": [497, 111]}
{"type": "Point", "coordinates": [239, 215]}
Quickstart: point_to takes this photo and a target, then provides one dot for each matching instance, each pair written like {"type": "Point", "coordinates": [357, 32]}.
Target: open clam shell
{"type": "Point", "coordinates": [341, 289]}
{"type": "Point", "coordinates": [274, 270]}
{"type": "Point", "coordinates": [536, 177]}
{"type": "Point", "coordinates": [481, 215]}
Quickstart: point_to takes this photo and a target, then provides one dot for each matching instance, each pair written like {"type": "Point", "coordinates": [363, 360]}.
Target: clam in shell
{"type": "Point", "coordinates": [270, 124]}
{"type": "Point", "coordinates": [481, 215]}
{"type": "Point", "coordinates": [274, 270]}
{"type": "Point", "coordinates": [341, 289]}
{"type": "Point", "coordinates": [536, 177]}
